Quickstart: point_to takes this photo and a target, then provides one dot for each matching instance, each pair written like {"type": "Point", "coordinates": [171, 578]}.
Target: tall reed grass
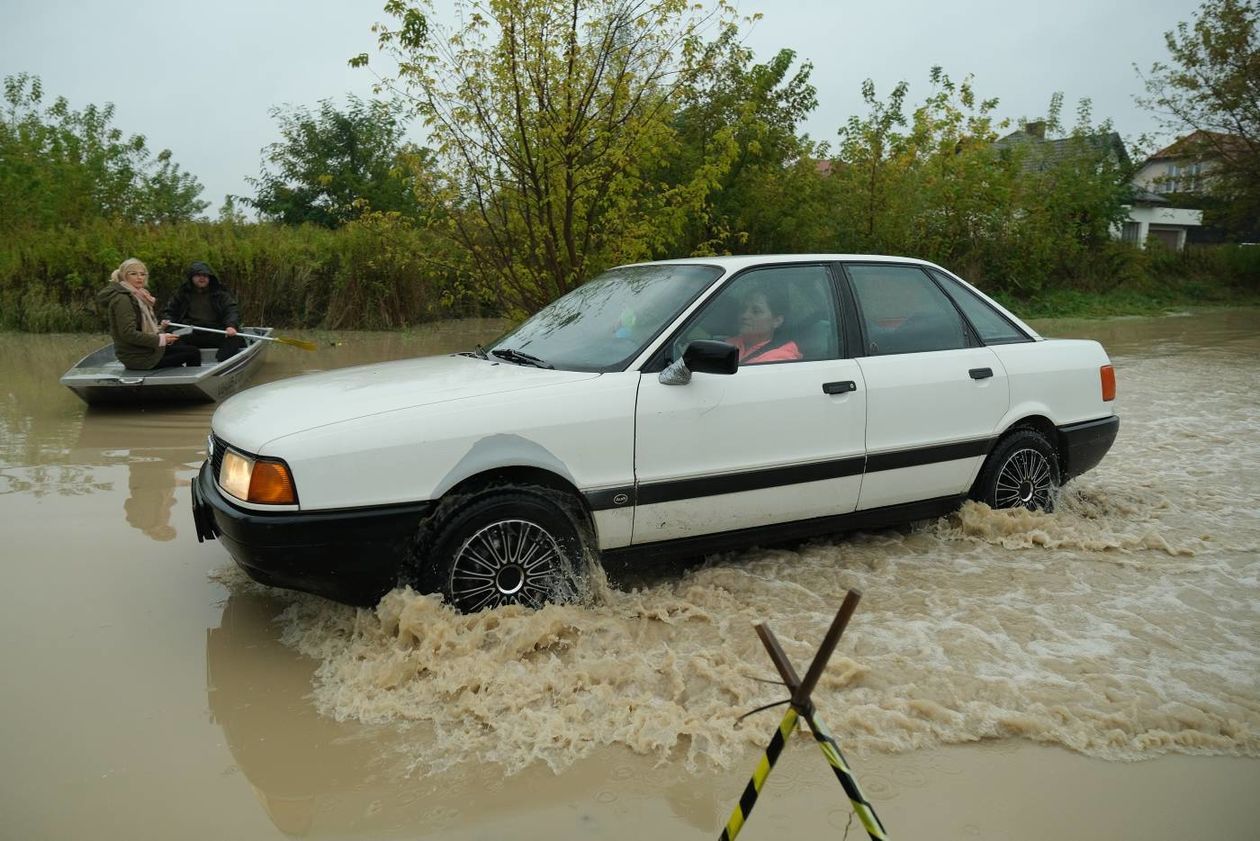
{"type": "Point", "coordinates": [376, 273]}
{"type": "Point", "coordinates": [380, 272]}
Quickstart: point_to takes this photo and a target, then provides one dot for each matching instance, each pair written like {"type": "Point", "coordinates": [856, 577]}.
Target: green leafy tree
{"type": "Point", "coordinates": [59, 166]}
{"type": "Point", "coordinates": [940, 184]}
{"type": "Point", "coordinates": [875, 173]}
{"type": "Point", "coordinates": [549, 118]}
{"type": "Point", "coordinates": [332, 165]}
{"type": "Point", "coordinates": [1211, 89]}
{"type": "Point", "coordinates": [963, 191]}
{"type": "Point", "coordinates": [738, 134]}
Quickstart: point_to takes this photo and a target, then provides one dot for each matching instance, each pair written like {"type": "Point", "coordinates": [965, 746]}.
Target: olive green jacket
{"type": "Point", "coordinates": [133, 347]}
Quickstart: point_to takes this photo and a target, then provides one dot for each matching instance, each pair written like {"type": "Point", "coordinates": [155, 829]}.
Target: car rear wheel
{"type": "Point", "coordinates": [1021, 472]}
{"type": "Point", "coordinates": [510, 545]}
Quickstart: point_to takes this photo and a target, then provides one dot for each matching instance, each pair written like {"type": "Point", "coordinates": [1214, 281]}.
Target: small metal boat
{"type": "Point", "coordinates": [100, 379]}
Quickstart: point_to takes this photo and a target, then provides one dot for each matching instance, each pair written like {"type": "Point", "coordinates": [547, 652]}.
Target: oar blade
{"type": "Point", "coordinates": [298, 343]}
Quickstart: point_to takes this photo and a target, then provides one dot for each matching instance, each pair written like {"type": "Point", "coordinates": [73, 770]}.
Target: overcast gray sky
{"type": "Point", "coordinates": [199, 77]}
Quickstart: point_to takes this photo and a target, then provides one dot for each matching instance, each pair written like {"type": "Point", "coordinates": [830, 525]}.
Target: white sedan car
{"type": "Point", "coordinates": [673, 408]}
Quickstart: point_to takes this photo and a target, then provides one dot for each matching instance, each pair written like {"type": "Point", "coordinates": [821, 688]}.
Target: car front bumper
{"type": "Point", "coordinates": [1084, 444]}
{"type": "Point", "coordinates": [351, 556]}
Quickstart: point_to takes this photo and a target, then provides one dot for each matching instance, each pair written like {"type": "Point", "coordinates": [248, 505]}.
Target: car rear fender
{"type": "Point", "coordinates": [1058, 379]}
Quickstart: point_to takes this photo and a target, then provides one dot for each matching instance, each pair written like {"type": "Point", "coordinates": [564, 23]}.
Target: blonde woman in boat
{"type": "Point", "coordinates": [138, 343]}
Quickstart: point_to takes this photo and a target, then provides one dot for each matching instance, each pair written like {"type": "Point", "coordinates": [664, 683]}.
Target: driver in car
{"type": "Point", "coordinates": [762, 316]}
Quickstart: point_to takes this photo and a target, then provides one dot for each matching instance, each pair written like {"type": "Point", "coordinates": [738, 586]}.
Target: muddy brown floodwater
{"type": "Point", "coordinates": [1094, 673]}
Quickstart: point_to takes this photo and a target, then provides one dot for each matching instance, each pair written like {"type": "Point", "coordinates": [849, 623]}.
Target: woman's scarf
{"type": "Point", "coordinates": [148, 321]}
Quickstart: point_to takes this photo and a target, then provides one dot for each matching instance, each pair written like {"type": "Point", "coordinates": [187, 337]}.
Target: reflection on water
{"type": "Point", "coordinates": [152, 482]}
{"type": "Point", "coordinates": [319, 777]}
{"type": "Point", "coordinates": [256, 693]}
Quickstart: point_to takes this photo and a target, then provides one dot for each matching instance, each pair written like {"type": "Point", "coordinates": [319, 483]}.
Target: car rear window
{"type": "Point", "coordinates": [993, 327]}
{"type": "Point", "coordinates": [903, 311]}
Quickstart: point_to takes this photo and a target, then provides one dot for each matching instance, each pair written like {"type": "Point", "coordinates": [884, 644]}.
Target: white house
{"type": "Point", "coordinates": [1152, 217]}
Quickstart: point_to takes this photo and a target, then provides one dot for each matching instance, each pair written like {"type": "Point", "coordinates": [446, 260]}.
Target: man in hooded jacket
{"type": "Point", "coordinates": [202, 301]}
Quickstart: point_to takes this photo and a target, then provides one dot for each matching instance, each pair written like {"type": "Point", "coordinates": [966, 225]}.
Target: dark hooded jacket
{"type": "Point", "coordinates": [133, 347]}
{"type": "Point", "coordinates": [180, 308]}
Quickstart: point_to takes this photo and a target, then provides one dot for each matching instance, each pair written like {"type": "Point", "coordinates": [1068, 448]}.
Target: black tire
{"type": "Point", "coordinates": [1022, 471]}
{"type": "Point", "coordinates": [507, 545]}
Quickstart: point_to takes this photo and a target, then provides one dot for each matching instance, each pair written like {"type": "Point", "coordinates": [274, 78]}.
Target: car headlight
{"type": "Point", "coordinates": [257, 480]}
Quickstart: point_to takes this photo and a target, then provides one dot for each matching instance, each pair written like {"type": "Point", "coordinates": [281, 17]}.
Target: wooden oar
{"type": "Point", "coordinates": [284, 340]}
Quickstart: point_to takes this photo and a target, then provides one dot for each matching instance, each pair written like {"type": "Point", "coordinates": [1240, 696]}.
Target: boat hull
{"type": "Point", "coordinates": [99, 379]}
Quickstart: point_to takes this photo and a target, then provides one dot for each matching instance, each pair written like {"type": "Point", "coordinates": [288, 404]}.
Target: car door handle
{"type": "Point", "coordinates": [840, 388]}
{"type": "Point", "coordinates": [980, 373]}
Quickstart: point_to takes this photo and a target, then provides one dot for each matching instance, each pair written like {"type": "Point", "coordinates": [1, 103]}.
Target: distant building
{"type": "Point", "coordinates": [1152, 217]}
{"type": "Point", "coordinates": [1046, 154]}
{"type": "Point", "coordinates": [1151, 214]}
{"type": "Point", "coordinates": [1186, 171]}
{"type": "Point", "coordinates": [1186, 165]}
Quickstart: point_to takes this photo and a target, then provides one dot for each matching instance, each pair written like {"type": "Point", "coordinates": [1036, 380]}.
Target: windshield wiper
{"type": "Point", "coordinates": [521, 358]}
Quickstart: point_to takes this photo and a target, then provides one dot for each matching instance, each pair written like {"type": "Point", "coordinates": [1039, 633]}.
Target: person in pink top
{"type": "Point", "coordinates": [762, 316]}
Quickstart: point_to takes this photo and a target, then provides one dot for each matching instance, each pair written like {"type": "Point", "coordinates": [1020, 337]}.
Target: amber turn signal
{"type": "Point", "coordinates": [272, 484]}
{"type": "Point", "coordinates": [1108, 375]}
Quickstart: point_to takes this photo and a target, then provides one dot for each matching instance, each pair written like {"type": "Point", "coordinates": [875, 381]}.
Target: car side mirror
{"type": "Point", "coordinates": [704, 356]}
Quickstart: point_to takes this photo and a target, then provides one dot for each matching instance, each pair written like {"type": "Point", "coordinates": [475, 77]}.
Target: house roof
{"type": "Point", "coordinates": [1199, 144]}
{"type": "Point", "coordinates": [1143, 196]}
{"type": "Point", "coordinates": [1050, 152]}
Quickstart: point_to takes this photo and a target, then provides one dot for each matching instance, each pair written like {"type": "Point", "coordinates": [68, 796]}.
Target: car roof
{"type": "Point", "coordinates": [735, 262]}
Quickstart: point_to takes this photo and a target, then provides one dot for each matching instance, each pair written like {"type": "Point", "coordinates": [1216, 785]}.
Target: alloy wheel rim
{"type": "Point", "coordinates": [507, 562]}
{"type": "Point", "coordinates": [1026, 480]}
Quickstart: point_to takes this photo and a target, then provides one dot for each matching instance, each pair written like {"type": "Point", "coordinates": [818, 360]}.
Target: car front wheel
{"type": "Point", "coordinates": [511, 545]}
{"type": "Point", "coordinates": [1021, 472]}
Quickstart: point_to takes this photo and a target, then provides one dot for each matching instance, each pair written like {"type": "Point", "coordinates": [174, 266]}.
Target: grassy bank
{"type": "Point", "coordinates": [1123, 280]}
{"type": "Point", "coordinates": [1175, 295]}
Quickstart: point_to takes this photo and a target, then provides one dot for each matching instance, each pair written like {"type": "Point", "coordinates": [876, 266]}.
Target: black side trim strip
{"type": "Point", "coordinates": [611, 498]}
{"type": "Point", "coordinates": [751, 481]}
{"type": "Point", "coordinates": [928, 455]}
{"type": "Point", "coordinates": [692, 547]}
{"type": "Point", "coordinates": [726, 483]}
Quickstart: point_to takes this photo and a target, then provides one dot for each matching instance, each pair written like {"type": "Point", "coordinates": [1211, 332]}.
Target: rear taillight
{"type": "Point", "coordinates": [1108, 376]}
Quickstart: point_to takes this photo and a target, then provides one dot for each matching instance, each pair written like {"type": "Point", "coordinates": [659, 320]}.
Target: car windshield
{"type": "Point", "coordinates": [606, 322]}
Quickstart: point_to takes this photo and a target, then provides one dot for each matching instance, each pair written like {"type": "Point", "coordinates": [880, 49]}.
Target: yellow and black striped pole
{"type": "Point", "coordinates": [803, 707]}
{"type": "Point", "coordinates": [749, 798]}
{"type": "Point", "coordinates": [861, 805]}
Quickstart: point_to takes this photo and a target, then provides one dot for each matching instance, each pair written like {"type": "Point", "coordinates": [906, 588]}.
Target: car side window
{"type": "Point", "coordinates": [903, 311]}
{"type": "Point", "coordinates": [992, 327]}
{"type": "Point", "coordinates": [775, 314]}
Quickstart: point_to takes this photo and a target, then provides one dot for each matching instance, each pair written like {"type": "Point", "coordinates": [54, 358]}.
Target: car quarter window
{"type": "Point", "coordinates": [992, 327]}
{"type": "Point", "coordinates": [773, 314]}
{"type": "Point", "coordinates": [903, 311]}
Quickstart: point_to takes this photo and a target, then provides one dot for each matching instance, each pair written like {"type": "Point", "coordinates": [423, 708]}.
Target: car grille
{"type": "Point", "coordinates": [216, 459]}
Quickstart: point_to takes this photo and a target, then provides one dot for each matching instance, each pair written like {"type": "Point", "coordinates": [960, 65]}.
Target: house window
{"type": "Point", "coordinates": [1194, 182]}
{"type": "Point", "coordinates": [1131, 232]}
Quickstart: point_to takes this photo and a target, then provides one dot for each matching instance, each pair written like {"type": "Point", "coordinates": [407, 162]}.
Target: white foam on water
{"type": "Point", "coordinates": [1124, 625]}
